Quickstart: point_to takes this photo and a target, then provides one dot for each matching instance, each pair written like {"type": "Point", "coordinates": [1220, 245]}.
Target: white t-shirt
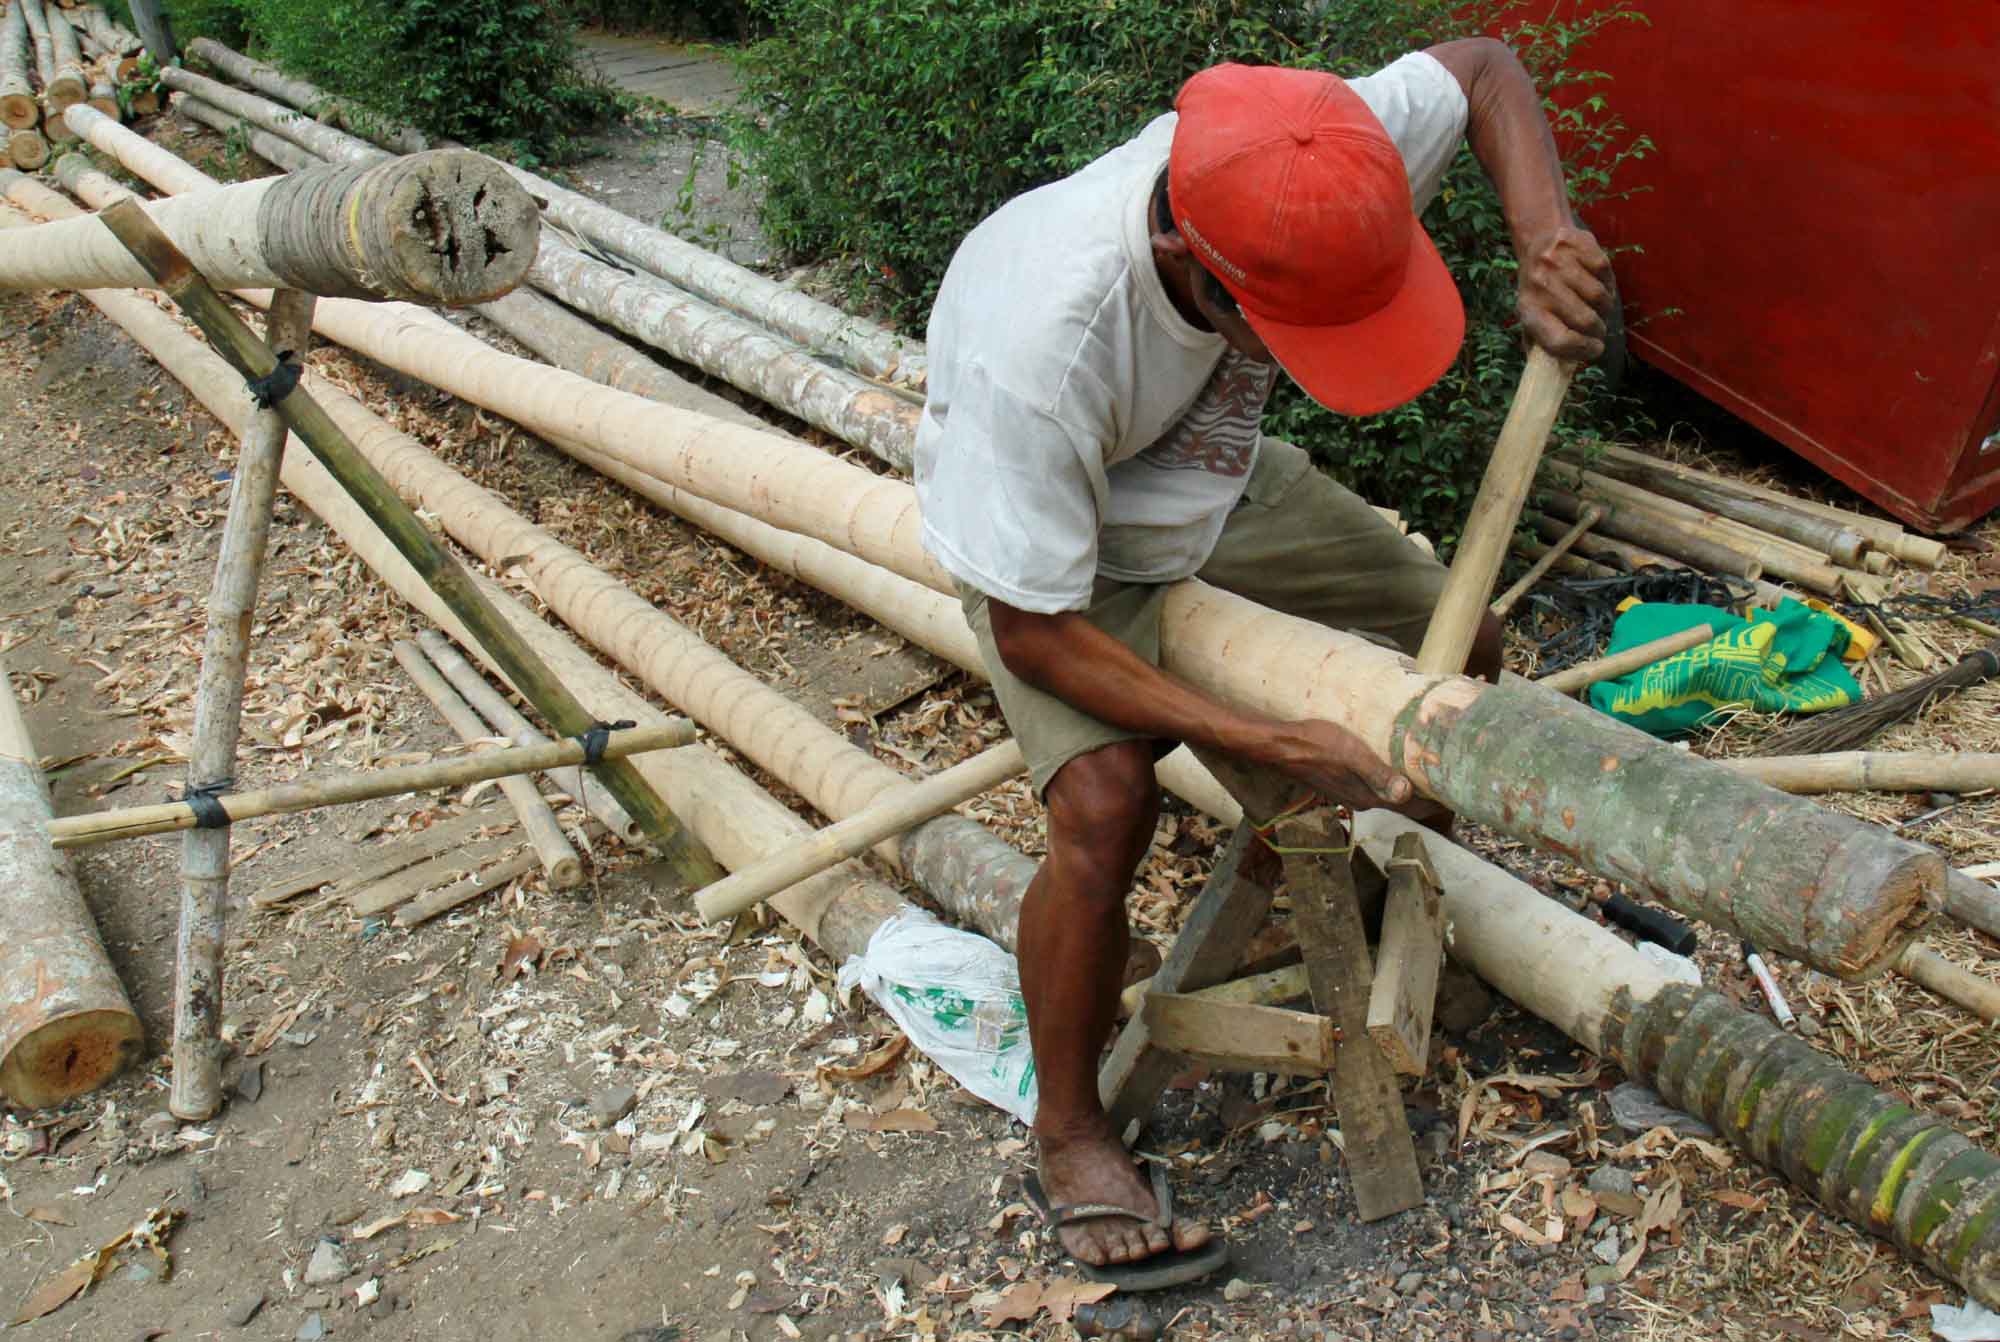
{"type": "Point", "coordinates": [1076, 424]}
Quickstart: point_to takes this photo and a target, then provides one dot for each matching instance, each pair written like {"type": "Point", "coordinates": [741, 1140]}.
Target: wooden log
{"type": "Point", "coordinates": [839, 910]}
{"type": "Point", "coordinates": [852, 341]}
{"type": "Point", "coordinates": [104, 98]}
{"type": "Point", "coordinates": [18, 110]}
{"type": "Point", "coordinates": [1882, 533]}
{"type": "Point", "coordinates": [106, 32]}
{"type": "Point", "coordinates": [329, 142]}
{"type": "Point", "coordinates": [71, 84]}
{"type": "Point", "coordinates": [1468, 587]}
{"type": "Point", "coordinates": [1585, 674]}
{"type": "Point", "coordinates": [1242, 1037]}
{"type": "Point", "coordinates": [1780, 558]}
{"type": "Point", "coordinates": [1875, 771]}
{"type": "Point", "coordinates": [307, 97]}
{"type": "Point", "coordinates": [1381, 1156]}
{"type": "Point", "coordinates": [27, 150]}
{"type": "Point", "coordinates": [904, 810]}
{"type": "Point", "coordinates": [410, 229]}
{"type": "Point", "coordinates": [432, 903]}
{"type": "Point", "coordinates": [196, 1093]}
{"type": "Point", "coordinates": [1839, 542]}
{"type": "Point", "coordinates": [1546, 560]}
{"type": "Point", "coordinates": [1665, 535]}
{"type": "Point", "coordinates": [1407, 959]}
{"type": "Point", "coordinates": [558, 858]}
{"type": "Point", "coordinates": [66, 1026]}
{"type": "Point", "coordinates": [338, 790]}
{"type": "Point", "coordinates": [273, 149]}
{"type": "Point", "coordinates": [1955, 983]}
{"type": "Point", "coordinates": [491, 705]}
{"type": "Point", "coordinates": [39, 42]}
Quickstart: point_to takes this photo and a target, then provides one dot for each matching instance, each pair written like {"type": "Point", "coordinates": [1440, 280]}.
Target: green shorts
{"type": "Point", "coordinates": [1296, 542]}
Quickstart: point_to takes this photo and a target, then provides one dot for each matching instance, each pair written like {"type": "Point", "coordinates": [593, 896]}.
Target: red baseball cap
{"type": "Point", "coordinates": [1289, 191]}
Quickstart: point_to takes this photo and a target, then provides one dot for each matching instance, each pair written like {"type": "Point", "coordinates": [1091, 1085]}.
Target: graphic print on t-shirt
{"type": "Point", "coordinates": [1218, 434]}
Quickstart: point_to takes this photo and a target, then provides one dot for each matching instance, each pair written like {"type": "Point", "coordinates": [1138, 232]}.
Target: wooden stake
{"type": "Point", "coordinates": [196, 1093]}
{"type": "Point", "coordinates": [1546, 561]}
{"type": "Point", "coordinates": [538, 822]}
{"type": "Point", "coordinates": [490, 704]}
{"type": "Point", "coordinates": [858, 833]}
{"type": "Point", "coordinates": [1585, 674]}
{"type": "Point", "coordinates": [1407, 960]}
{"type": "Point", "coordinates": [1455, 621]}
{"type": "Point", "coordinates": [66, 1026]}
{"type": "Point", "coordinates": [1958, 985]}
{"type": "Point", "coordinates": [309, 794]}
{"type": "Point", "coordinates": [445, 575]}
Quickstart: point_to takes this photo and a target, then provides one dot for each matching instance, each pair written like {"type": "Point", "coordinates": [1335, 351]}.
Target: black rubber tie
{"type": "Point", "coordinates": [206, 803]}
{"type": "Point", "coordinates": [598, 737]}
{"type": "Point", "coordinates": [277, 384]}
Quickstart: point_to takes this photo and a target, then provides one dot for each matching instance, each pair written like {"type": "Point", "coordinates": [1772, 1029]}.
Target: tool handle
{"type": "Point", "coordinates": [1655, 925]}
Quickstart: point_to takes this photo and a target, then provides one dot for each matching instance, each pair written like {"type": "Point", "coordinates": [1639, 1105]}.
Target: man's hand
{"type": "Point", "coordinates": [1335, 763]}
{"type": "Point", "coordinates": [1565, 293]}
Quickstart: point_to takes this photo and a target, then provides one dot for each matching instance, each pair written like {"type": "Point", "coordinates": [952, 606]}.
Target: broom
{"type": "Point", "coordinates": [1847, 728]}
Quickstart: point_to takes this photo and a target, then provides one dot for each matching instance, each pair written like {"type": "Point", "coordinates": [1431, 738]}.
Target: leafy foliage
{"type": "Point", "coordinates": [732, 19]}
{"type": "Point", "coordinates": [487, 72]}
{"type": "Point", "coordinates": [886, 130]}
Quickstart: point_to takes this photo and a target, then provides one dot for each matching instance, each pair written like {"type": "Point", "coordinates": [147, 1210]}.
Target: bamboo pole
{"type": "Point", "coordinates": [739, 821]}
{"type": "Point", "coordinates": [309, 794]}
{"type": "Point", "coordinates": [1883, 534]}
{"type": "Point", "coordinates": [17, 94]}
{"type": "Point", "coordinates": [1634, 558]}
{"type": "Point", "coordinates": [254, 360]}
{"type": "Point", "coordinates": [66, 1026]}
{"type": "Point", "coordinates": [196, 1093]}
{"type": "Point", "coordinates": [1468, 587]}
{"type": "Point", "coordinates": [558, 858]}
{"type": "Point", "coordinates": [1573, 564]}
{"type": "Point", "coordinates": [1547, 560]}
{"type": "Point", "coordinates": [1875, 771]}
{"type": "Point", "coordinates": [410, 229]}
{"type": "Point", "coordinates": [490, 704]}
{"type": "Point", "coordinates": [1835, 539]}
{"type": "Point", "coordinates": [1954, 983]}
{"type": "Point", "coordinates": [904, 810]}
{"type": "Point", "coordinates": [1624, 521]}
{"type": "Point", "coordinates": [852, 341]}
{"type": "Point", "coordinates": [1585, 674]}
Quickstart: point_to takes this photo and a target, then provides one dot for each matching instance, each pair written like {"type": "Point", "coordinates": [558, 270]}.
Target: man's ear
{"type": "Point", "coordinates": [1170, 249]}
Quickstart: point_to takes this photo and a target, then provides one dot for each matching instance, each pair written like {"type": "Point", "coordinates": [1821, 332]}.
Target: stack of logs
{"type": "Point", "coordinates": [55, 55]}
{"type": "Point", "coordinates": [1608, 509]}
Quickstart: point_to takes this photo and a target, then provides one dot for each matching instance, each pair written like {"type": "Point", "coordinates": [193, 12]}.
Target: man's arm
{"type": "Point", "coordinates": [1565, 283]}
{"type": "Point", "coordinates": [1067, 656]}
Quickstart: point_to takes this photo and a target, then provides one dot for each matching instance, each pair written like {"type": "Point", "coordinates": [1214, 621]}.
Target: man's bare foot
{"type": "Point", "coordinates": [1093, 1167]}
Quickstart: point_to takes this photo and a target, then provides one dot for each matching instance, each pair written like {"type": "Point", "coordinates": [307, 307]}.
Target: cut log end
{"type": "Point", "coordinates": [18, 111]}
{"type": "Point", "coordinates": [27, 150]}
{"type": "Point", "coordinates": [108, 106]}
{"type": "Point", "coordinates": [1865, 874]}
{"type": "Point", "coordinates": [453, 226]}
{"type": "Point", "coordinates": [70, 1056]}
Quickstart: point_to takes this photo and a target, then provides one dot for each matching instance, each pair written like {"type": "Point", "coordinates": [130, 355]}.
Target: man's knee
{"type": "Point", "coordinates": [1103, 807]}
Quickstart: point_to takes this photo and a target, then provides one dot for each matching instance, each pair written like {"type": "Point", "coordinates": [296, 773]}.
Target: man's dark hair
{"type": "Point", "coordinates": [1212, 288]}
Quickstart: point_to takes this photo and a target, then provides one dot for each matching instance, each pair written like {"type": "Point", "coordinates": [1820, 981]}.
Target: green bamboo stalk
{"type": "Point", "coordinates": [444, 575]}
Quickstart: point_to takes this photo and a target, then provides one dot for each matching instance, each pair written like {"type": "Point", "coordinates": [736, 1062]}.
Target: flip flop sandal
{"type": "Point", "coordinates": [1172, 1267]}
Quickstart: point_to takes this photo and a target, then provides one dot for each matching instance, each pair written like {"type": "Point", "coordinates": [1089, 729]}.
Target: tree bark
{"type": "Point", "coordinates": [155, 31]}
{"type": "Point", "coordinates": [66, 1026]}
{"type": "Point", "coordinates": [440, 228]}
{"type": "Point", "coordinates": [17, 94]}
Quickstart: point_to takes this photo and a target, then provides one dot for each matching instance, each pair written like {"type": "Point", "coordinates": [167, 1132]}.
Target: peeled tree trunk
{"type": "Point", "coordinates": [442, 228]}
{"type": "Point", "coordinates": [855, 343]}
{"type": "Point", "coordinates": [17, 93]}
{"type": "Point", "coordinates": [65, 1024]}
{"type": "Point", "coordinates": [71, 84]}
{"type": "Point", "coordinates": [39, 42]}
{"type": "Point", "coordinates": [107, 33]}
{"type": "Point", "coordinates": [305, 96]}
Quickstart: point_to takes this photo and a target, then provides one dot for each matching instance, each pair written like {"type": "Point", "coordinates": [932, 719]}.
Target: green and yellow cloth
{"type": "Point", "coordinates": [1776, 661]}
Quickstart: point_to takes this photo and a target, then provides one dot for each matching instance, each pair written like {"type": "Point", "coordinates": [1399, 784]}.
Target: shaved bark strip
{"type": "Point", "coordinates": [66, 1026]}
{"type": "Point", "coordinates": [826, 330]}
{"type": "Point", "coordinates": [441, 228]}
{"type": "Point", "coordinates": [17, 94]}
{"type": "Point", "coordinates": [1856, 1150]}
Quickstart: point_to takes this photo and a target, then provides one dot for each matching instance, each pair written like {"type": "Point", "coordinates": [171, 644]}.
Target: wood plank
{"type": "Point", "coordinates": [1406, 967]}
{"type": "Point", "coordinates": [382, 859]}
{"type": "Point", "coordinates": [1241, 1036]}
{"type": "Point", "coordinates": [369, 900]}
{"type": "Point", "coordinates": [1225, 916]}
{"type": "Point", "coordinates": [1381, 1157]}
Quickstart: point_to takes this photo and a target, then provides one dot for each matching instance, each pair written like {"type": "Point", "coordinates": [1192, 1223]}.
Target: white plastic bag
{"type": "Point", "coordinates": [958, 997]}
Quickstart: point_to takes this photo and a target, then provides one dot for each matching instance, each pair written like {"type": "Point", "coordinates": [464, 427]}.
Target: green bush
{"type": "Point", "coordinates": [734, 20]}
{"type": "Point", "coordinates": [500, 73]}
{"type": "Point", "coordinates": [886, 130]}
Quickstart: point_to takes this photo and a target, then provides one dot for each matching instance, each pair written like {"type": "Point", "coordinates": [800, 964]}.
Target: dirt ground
{"type": "Point", "coordinates": [585, 1115]}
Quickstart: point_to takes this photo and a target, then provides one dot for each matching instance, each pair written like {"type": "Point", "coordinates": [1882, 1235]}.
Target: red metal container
{"type": "Point", "coordinates": [1823, 210]}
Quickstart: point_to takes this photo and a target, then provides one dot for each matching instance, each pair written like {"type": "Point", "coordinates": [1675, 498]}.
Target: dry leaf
{"type": "Point", "coordinates": [894, 1235]}
{"type": "Point", "coordinates": [60, 1289]}
{"type": "Point", "coordinates": [1662, 1209]}
{"type": "Point", "coordinates": [876, 1061]}
{"type": "Point", "coordinates": [52, 1216]}
{"type": "Point", "coordinates": [523, 953]}
{"type": "Point", "coordinates": [1748, 1202]}
{"type": "Point", "coordinates": [1521, 1230]}
{"type": "Point", "coordinates": [376, 1227]}
{"type": "Point", "coordinates": [1059, 1298]}
{"type": "Point", "coordinates": [896, 1120]}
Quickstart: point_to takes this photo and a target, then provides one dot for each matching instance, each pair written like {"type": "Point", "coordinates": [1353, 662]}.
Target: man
{"type": "Point", "coordinates": [1100, 353]}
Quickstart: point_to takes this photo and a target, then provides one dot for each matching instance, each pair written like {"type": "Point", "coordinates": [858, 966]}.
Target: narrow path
{"type": "Point", "coordinates": [688, 79]}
